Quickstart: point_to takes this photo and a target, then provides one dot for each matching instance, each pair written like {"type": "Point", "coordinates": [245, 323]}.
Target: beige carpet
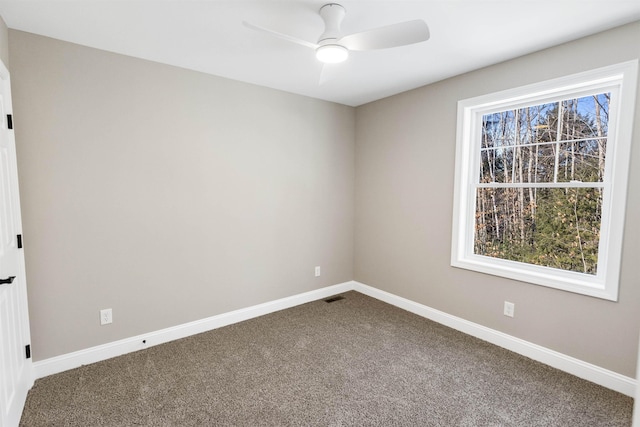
{"type": "Point", "coordinates": [355, 361]}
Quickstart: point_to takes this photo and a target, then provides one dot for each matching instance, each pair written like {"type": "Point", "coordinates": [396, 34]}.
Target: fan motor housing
{"type": "Point", "coordinates": [332, 14]}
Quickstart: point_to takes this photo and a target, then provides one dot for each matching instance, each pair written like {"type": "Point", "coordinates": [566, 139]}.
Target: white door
{"type": "Point", "coordinates": [16, 373]}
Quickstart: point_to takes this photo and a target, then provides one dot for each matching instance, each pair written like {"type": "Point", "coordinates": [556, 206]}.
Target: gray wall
{"type": "Point", "coordinates": [4, 43]}
{"type": "Point", "coordinates": [405, 149]}
{"type": "Point", "coordinates": [169, 195]}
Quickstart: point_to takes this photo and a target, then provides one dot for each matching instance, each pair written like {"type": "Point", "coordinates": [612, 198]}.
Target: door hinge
{"type": "Point", "coordinates": [19, 238]}
{"type": "Point", "coordinates": [27, 351]}
{"type": "Point", "coordinates": [9, 121]}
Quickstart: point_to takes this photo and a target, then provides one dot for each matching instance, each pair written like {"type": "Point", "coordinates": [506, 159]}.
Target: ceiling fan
{"type": "Point", "coordinates": [333, 47]}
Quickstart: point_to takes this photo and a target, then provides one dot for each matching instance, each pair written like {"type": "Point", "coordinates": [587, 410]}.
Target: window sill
{"type": "Point", "coordinates": [545, 276]}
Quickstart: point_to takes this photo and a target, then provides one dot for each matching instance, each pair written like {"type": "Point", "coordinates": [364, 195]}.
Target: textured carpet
{"type": "Point", "coordinates": [355, 361]}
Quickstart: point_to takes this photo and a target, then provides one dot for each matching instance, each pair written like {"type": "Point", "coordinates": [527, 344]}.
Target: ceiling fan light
{"type": "Point", "coordinates": [332, 53]}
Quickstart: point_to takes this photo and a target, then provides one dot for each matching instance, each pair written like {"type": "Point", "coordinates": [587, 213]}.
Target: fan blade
{"type": "Point", "coordinates": [328, 73]}
{"type": "Point", "coordinates": [280, 35]}
{"type": "Point", "coordinates": [394, 35]}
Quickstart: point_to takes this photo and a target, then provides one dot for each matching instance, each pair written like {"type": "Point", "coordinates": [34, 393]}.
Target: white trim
{"type": "Point", "coordinates": [76, 359]}
{"type": "Point", "coordinates": [571, 365]}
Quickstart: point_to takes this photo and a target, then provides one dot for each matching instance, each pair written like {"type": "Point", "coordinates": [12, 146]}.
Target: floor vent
{"type": "Point", "coordinates": [333, 299]}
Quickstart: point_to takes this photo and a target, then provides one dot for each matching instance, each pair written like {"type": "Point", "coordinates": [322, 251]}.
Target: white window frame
{"type": "Point", "coordinates": [621, 81]}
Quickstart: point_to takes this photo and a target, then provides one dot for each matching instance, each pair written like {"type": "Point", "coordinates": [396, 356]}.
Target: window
{"type": "Point", "coordinates": [541, 177]}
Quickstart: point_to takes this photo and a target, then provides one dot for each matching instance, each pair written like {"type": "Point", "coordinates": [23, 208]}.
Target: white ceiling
{"type": "Point", "coordinates": [208, 36]}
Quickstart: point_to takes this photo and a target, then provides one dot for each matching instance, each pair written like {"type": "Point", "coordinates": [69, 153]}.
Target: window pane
{"type": "Point", "coordinates": [544, 160]}
{"type": "Point", "coordinates": [497, 165]}
{"type": "Point", "coordinates": [582, 160]}
{"type": "Point", "coordinates": [551, 227]}
{"type": "Point", "coordinates": [498, 129]}
{"type": "Point", "coordinates": [554, 142]}
{"type": "Point", "coordinates": [585, 117]}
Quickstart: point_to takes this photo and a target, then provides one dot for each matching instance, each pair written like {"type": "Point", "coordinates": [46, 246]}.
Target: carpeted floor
{"type": "Point", "coordinates": [355, 361]}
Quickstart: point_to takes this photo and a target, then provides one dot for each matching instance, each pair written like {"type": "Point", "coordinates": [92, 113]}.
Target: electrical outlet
{"type": "Point", "coordinates": [509, 309]}
{"type": "Point", "coordinates": [317, 271]}
{"type": "Point", "coordinates": [106, 316]}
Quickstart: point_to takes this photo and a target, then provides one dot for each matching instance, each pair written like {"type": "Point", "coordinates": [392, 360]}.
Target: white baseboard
{"type": "Point", "coordinates": [571, 365]}
{"type": "Point", "coordinates": [76, 359]}
{"type": "Point", "coordinates": [579, 368]}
